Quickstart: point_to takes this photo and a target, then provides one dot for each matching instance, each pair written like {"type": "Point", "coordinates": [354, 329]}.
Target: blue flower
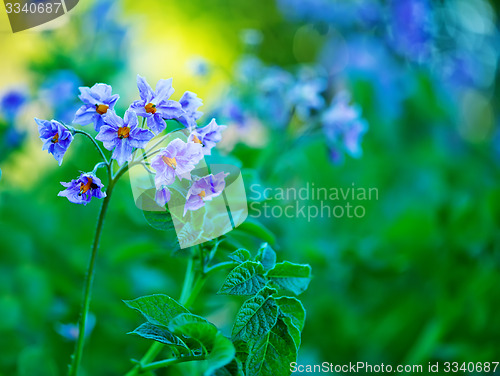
{"type": "Point", "coordinates": [410, 27]}
{"type": "Point", "coordinates": [306, 96]}
{"type": "Point", "coordinates": [344, 127]}
{"type": "Point", "coordinates": [98, 100]}
{"type": "Point", "coordinates": [82, 189]}
{"type": "Point", "coordinates": [155, 106]}
{"type": "Point", "coordinates": [122, 135]}
{"type": "Point", "coordinates": [56, 138]}
{"type": "Point", "coordinates": [190, 103]}
{"type": "Point", "coordinates": [207, 136]}
{"type": "Point", "coordinates": [12, 101]}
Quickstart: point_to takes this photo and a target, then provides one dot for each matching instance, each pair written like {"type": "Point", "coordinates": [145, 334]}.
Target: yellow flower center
{"type": "Point", "coordinates": [202, 194]}
{"type": "Point", "coordinates": [196, 139]}
{"type": "Point", "coordinates": [150, 108]}
{"type": "Point", "coordinates": [170, 161]}
{"type": "Point", "coordinates": [101, 109]}
{"type": "Point", "coordinates": [55, 139]}
{"type": "Point", "coordinates": [123, 132]}
{"type": "Point", "coordinates": [85, 187]}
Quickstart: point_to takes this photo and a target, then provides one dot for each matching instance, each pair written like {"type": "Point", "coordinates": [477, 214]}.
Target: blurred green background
{"type": "Point", "coordinates": [415, 280]}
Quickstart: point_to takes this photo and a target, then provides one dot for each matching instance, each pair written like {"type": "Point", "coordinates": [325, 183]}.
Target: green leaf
{"type": "Point", "coordinates": [291, 277]}
{"type": "Point", "coordinates": [266, 256]}
{"type": "Point", "coordinates": [234, 368]}
{"type": "Point", "coordinates": [272, 354]}
{"type": "Point", "coordinates": [292, 308]}
{"type": "Point", "coordinates": [200, 331]}
{"type": "Point", "coordinates": [160, 334]}
{"type": "Point", "coordinates": [219, 350]}
{"type": "Point", "coordinates": [256, 316]}
{"type": "Point", "coordinates": [159, 220]}
{"type": "Point", "coordinates": [257, 229]}
{"type": "Point", "coordinates": [240, 255]}
{"type": "Point", "coordinates": [246, 279]}
{"type": "Point", "coordinates": [157, 309]}
{"type": "Point", "coordinates": [221, 354]}
{"type": "Point", "coordinates": [293, 314]}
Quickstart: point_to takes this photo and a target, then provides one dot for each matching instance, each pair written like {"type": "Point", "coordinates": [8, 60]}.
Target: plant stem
{"type": "Point", "coordinates": [169, 362]}
{"type": "Point", "coordinates": [79, 131]}
{"type": "Point", "coordinates": [89, 277]}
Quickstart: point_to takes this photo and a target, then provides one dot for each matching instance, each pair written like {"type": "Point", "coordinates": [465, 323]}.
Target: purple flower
{"type": "Point", "coordinates": [81, 190]}
{"type": "Point", "coordinates": [98, 100]}
{"type": "Point", "coordinates": [190, 103]}
{"type": "Point", "coordinates": [122, 135]}
{"type": "Point", "coordinates": [162, 196]}
{"type": "Point", "coordinates": [155, 106]}
{"type": "Point", "coordinates": [344, 127]}
{"type": "Point", "coordinates": [56, 138]}
{"type": "Point", "coordinates": [178, 158]}
{"type": "Point", "coordinates": [204, 189]}
{"type": "Point", "coordinates": [207, 136]}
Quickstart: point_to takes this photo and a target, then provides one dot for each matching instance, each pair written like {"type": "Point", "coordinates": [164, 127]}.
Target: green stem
{"type": "Point", "coordinates": [89, 277]}
{"type": "Point", "coordinates": [169, 362]}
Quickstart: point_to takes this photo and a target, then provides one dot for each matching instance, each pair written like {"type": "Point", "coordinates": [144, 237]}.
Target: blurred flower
{"type": "Point", "coordinates": [11, 102]}
{"type": "Point", "coordinates": [199, 66]}
{"type": "Point", "coordinates": [162, 196]}
{"type": "Point", "coordinates": [70, 331]}
{"type": "Point", "coordinates": [122, 135]}
{"type": "Point", "coordinates": [204, 189]}
{"type": "Point", "coordinates": [207, 136]}
{"type": "Point", "coordinates": [98, 100]}
{"type": "Point", "coordinates": [82, 189]}
{"type": "Point", "coordinates": [60, 91]}
{"type": "Point", "coordinates": [178, 158]}
{"type": "Point", "coordinates": [409, 30]}
{"type": "Point", "coordinates": [305, 96]}
{"type": "Point", "coordinates": [343, 127]}
{"type": "Point", "coordinates": [56, 138]}
{"type": "Point", "coordinates": [190, 103]}
{"type": "Point", "coordinates": [155, 106]}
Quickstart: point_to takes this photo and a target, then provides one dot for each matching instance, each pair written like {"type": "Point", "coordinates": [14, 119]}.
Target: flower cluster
{"type": "Point", "coordinates": [277, 98]}
{"type": "Point", "coordinates": [123, 136]}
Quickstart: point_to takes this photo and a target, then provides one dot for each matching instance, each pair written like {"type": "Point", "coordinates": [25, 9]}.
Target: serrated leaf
{"type": "Point", "coordinates": [221, 354]}
{"type": "Point", "coordinates": [256, 316]}
{"type": "Point", "coordinates": [292, 277]}
{"type": "Point", "coordinates": [272, 354]}
{"type": "Point", "coordinates": [266, 256]}
{"type": "Point", "coordinates": [292, 308]}
{"type": "Point", "coordinates": [246, 279]}
{"type": "Point", "coordinates": [160, 334]}
{"type": "Point", "coordinates": [240, 255]}
{"type": "Point", "coordinates": [157, 309]}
